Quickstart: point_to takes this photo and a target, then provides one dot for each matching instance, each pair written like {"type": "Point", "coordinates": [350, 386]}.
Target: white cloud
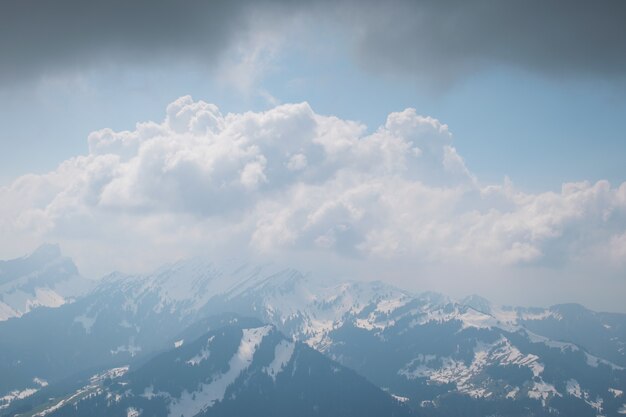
{"type": "Point", "coordinates": [297, 162]}
{"type": "Point", "coordinates": [254, 173]}
{"type": "Point", "coordinates": [291, 181]}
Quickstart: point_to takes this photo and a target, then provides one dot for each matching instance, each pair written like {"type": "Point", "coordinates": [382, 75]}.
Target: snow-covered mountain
{"type": "Point", "coordinates": [42, 279]}
{"type": "Point", "coordinates": [437, 354]}
{"type": "Point", "coordinates": [299, 305]}
{"type": "Point", "coordinates": [442, 357]}
{"type": "Point", "coordinates": [235, 370]}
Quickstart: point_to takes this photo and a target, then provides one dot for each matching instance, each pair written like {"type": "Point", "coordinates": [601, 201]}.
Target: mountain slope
{"type": "Point", "coordinates": [454, 359]}
{"type": "Point", "coordinates": [234, 371]}
{"type": "Point", "coordinates": [42, 279]}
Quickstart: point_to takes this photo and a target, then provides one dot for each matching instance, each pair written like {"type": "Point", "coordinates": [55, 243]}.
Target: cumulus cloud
{"type": "Point", "coordinates": [291, 181]}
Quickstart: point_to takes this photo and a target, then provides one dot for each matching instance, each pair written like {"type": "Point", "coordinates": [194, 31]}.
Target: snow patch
{"type": "Point", "coordinates": [573, 388]}
{"type": "Point", "coordinates": [468, 316]}
{"type": "Point", "coordinates": [6, 312]}
{"type": "Point", "coordinates": [563, 346]}
{"type": "Point", "coordinates": [388, 305]}
{"type": "Point", "coordinates": [131, 348]}
{"type": "Point", "coordinates": [17, 302]}
{"type": "Point", "coordinates": [132, 412]}
{"type": "Point", "coordinates": [540, 315]}
{"type": "Point", "coordinates": [6, 400]}
{"type": "Point", "coordinates": [111, 373]}
{"type": "Point", "coordinates": [420, 367]}
{"type": "Point", "coordinates": [543, 391]}
{"type": "Point", "coordinates": [597, 403]}
{"type": "Point", "coordinates": [473, 318]}
{"type": "Point", "coordinates": [282, 355]}
{"type": "Point", "coordinates": [400, 398]}
{"type": "Point", "coordinates": [94, 383]}
{"type": "Point", "coordinates": [203, 355]}
{"type": "Point", "coordinates": [470, 379]}
{"type": "Point", "coordinates": [41, 382]}
{"type": "Point", "coordinates": [190, 404]}
{"type": "Point", "coordinates": [595, 362]}
{"type": "Point", "coordinates": [513, 393]}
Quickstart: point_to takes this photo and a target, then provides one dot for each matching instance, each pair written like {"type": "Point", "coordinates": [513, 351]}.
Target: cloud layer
{"type": "Point", "coordinates": [39, 38]}
{"type": "Point", "coordinates": [289, 182]}
{"type": "Point", "coordinates": [447, 41]}
{"type": "Point", "coordinates": [441, 41]}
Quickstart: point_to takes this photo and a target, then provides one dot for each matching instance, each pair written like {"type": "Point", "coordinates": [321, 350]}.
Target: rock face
{"type": "Point", "coordinates": [42, 279]}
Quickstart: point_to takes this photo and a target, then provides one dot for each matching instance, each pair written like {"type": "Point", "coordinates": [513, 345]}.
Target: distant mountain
{"type": "Point", "coordinates": [42, 279]}
{"type": "Point", "coordinates": [438, 355]}
{"type": "Point", "coordinates": [231, 371]}
{"type": "Point", "coordinates": [453, 360]}
{"type": "Point", "coordinates": [602, 334]}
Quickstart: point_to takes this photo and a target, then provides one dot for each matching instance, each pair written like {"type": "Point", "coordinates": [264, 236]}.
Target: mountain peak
{"type": "Point", "coordinates": [43, 278]}
{"type": "Point", "coordinates": [37, 260]}
{"type": "Point", "coordinates": [433, 298]}
{"type": "Point", "coordinates": [46, 252]}
{"type": "Point", "coordinates": [478, 303]}
{"type": "Point", "coordinates": [574, 309]}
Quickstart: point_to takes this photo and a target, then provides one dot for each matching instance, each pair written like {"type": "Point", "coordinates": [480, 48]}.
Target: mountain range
{"type": "Point", "coordinates": [200, 338]}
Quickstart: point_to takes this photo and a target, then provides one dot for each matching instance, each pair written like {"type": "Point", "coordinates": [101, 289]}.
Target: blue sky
{"type": "Point", "coordinates": [488, 154]}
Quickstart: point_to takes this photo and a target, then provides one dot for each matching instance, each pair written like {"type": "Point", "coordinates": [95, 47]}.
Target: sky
{"type": "Point", "coordinates": [462, 147]}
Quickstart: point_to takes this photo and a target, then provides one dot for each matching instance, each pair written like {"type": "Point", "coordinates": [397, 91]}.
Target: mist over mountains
{"type": "Point", "coordinates": [199, 338]}
{"type": "Point", "coordinates": [297, 187]}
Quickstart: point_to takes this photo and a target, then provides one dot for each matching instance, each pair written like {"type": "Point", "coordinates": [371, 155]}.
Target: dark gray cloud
{"type": "Point", "coordinates": [432, 39]}
{"type": "Point", "coordinates": [445, 40]}
{"type": "Point", "coordinates": [40, 37]}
